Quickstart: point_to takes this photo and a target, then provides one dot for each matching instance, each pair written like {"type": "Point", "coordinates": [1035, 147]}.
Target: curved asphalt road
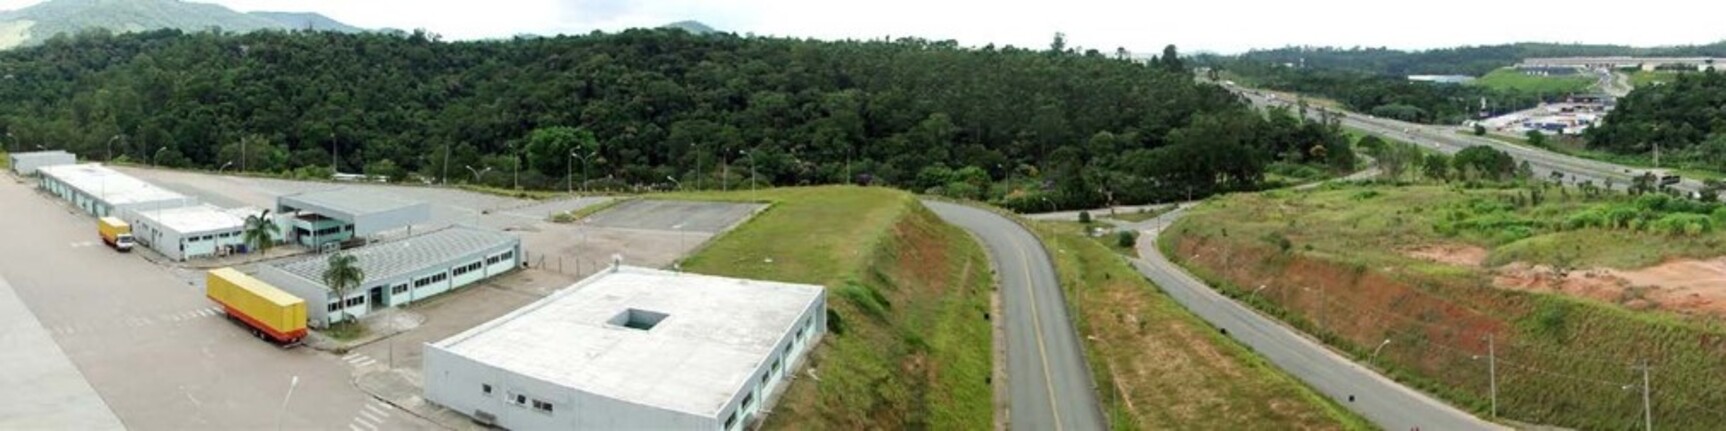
{"type": "Point", "coordinates": [1050, 386]}
{"type": "Point", "coordinates": [1386, 403]}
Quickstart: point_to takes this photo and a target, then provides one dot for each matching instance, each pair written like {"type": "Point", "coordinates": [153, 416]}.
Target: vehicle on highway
{"type": "Point", "coordinates": [270, 313]}
{"type": "Point", "coordinates": [115, 232]}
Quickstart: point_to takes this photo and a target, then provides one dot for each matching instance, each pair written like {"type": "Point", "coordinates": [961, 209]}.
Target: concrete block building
{"type": "Point", "coordinates": [331, 216]}
{"type": "Point", "coordinates": [103, 192]}
{"type": "Point", "coordinates": [27, 163]}
{"type": "Point", "coordinates": [397, 272]}
{"type": "Point", "coordinates": [190, 232]}
{"type": "Point", "coordinates": [631, 348]}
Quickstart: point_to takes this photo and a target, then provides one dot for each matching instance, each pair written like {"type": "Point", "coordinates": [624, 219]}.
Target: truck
{"type": "Point", "coordinates": [115, 232]}
{"type": "Point", "coordinates": [267, 312]}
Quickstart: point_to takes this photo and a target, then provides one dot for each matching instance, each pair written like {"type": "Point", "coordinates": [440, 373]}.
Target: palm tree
{"type": "Point", "coordinates": [260, 233]}
{"type": "Point", "coordinates": [343, 275]}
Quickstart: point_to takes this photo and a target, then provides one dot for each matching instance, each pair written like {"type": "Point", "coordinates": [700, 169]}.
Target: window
{"type": "Point", "coordinates": [765, 377]}
{"type": "Point", "coordinates": [207, 238]}
{"type": "Point", "coordinates": [485, 389]}
{"type": "Point", "coordinates": [506, 255]}
{"type": "Point", "coordinates": [334, 306]}
{"type": "Point", "coordinates": [439, 277]}
{"type": "Point", "coordinates": [731, 422]}
{"type": "Point", "coordinates": [356, 301]}
{"type": "Point", "coordinates": [422, 282]}
{"type": "Point", "coordinates": [748, 401]}
{"type": "Point", "coordinates": [459, 271]}
{"type": "Point", "coordinates": [775, 367]}
{"type": "Point", "coordinates": [521, 399]}
{"type": "Point", "coordinates": [491, 260]}
{"type": "Point", "coordinates": [542, 406]}
{"type": "Point", "coordinates": [399, 289]}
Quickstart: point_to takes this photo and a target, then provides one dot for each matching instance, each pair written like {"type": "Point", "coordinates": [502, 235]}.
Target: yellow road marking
{"type": "Point", "coordinates": [1037, 321]}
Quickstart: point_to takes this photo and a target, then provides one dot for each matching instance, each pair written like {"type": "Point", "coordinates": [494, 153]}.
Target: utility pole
{"type": "Point", "coordinates": [445, 177]}
{"type": "Point", "coordinates": [1647, 411]}
{"type": "Point", "coordinates": [1492, 373]}
{"type": "Point", "coordinates": [243, 140]}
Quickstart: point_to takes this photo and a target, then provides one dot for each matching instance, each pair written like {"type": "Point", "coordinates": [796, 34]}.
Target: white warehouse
{"type": "Point", "coordinates": [104, 192]}
{"type": "Point", "coordinates": [631, 348]}
{"type": "Point", "coordinates": [194, 231]}
{"type": "Point", "coordinates": [27, 163]}
{"type": "Point", "coordinates": [397, 272]}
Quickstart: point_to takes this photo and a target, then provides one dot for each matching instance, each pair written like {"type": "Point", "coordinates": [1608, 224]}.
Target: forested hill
{"type": "Point", "coordinates": [1069, 127]}
{"type": "Point", "coordinates": [1687, 117]}
{"type": "Point", "coordinates": [39, 22]}
{"type": "Point", "coordinates": [1466, 60]}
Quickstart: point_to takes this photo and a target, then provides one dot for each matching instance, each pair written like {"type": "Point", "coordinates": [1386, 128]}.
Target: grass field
{"type": "Point", "coordinates": [1512, 80]}
{"type": "Point", "coordinates": [1158, 366]}
{"type": "Point", "coordinates": [1335, 263]}
{"type": "Point", "coordinates": [908, 346]}
{"type": "Point", "coordinates": [1643, 78]}
{"type": "Point", "coordinates": [1137, 216]}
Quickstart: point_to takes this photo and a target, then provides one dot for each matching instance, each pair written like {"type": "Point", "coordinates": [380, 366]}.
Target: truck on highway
{"type": "Point", "coordinates": [269, 313]}
{"type": "Point", "coordinates": [115, 232]}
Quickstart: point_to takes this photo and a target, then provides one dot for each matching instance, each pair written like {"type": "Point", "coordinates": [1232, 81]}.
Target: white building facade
{"type": "Point", "coordinates": [190, 232]}
{"type": "Point", "coordinates": [398, 272]}
{"type": "Point", "coordinates": [103, 192]}
{"type": "Point", "coordinates": [631, 348]}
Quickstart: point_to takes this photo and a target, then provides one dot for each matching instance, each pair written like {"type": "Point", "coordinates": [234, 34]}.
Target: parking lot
{"type": "Point", "coordinates": [161, 356]}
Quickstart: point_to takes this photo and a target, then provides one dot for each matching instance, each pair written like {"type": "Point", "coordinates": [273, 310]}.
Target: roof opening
{"type": "Point", "coordinates": [638, 319]}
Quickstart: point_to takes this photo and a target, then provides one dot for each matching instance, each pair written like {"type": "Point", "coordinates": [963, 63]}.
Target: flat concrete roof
{"type": "Point", "coordinates": [385, 260]}
{"type": "Point", "coordinates": [108, 185]}
{"type": "Point", "coordinates": [194, 219]}
{"type": "Point", "coordinates": [716, 333]}
{"type": "Point", "coordinates": [50, 154]}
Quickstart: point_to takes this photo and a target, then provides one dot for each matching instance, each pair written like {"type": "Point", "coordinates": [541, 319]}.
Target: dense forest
{"type": "Point", "coordinates": [1467, 60]}
{"type": "Point", "coordinates": [1382, 95]}
{"type": "Point", "coordinates": [660, 108]}
{"type": "Point", "coordinates": [1686, 117]}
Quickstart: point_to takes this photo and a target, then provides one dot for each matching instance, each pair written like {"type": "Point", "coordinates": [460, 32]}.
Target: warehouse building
{"type": "Point", "coordinates": [326, 217]}
{"type": "Point", "coordinates": [631, 348]}
{"type": "Point", "coordinates": [398, 272]}
{"type": "Point", "coordinates": [27, 163]}
{"type": "Point", "coordinates": [191, 232]}
{"type": "Point", "coordinates": [103, 192]}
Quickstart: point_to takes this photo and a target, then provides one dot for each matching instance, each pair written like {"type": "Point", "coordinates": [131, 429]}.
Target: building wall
{"type": "Point", "coordinates": [430, 281]}
{"type": "Point", "coordinates": [95, 207]}
{"type": "Point", "coordinates": [787, 354]}
{"type": "Point", "coordinates": [459, 383]}
{"type": "Point", "coordinates": [27, 164]}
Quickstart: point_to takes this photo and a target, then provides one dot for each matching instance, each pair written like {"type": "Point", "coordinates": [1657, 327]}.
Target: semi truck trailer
{"type": "Point", "coordinates": [115, 232]}
{"type": "Point", "coordinates": [269, 313]}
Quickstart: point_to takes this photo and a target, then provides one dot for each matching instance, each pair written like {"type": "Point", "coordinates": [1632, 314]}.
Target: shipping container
{"type": "Point", "coordinates": [269, 312]}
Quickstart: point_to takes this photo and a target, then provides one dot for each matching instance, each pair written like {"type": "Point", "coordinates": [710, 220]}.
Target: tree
{"type": "Point", "coordinates": [260, 232]}
{"type": "Point", "coordinates": [1126, 239]}
{"type": "Point", "coordinates": [1479, 130]}
{"type": "Point", "coordinates": [1485, 161]}
{"type": "Point", "coordinates": [1171, 60]}
{"type": "Point", "coordinates": [1437, 167]}
{"type": "Point", "coordinates": [342, 276]}
{"type": "Point", "coordinates": [1085, 217]}
{"type": "Point", "coordinates": [1536, 138]}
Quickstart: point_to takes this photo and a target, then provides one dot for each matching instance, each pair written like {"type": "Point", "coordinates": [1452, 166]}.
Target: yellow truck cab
{"type": "Point", "coordinates": [115, 232]}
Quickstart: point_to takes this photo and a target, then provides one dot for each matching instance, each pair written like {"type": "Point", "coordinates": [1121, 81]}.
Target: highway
{"type": "Point", "coordinates": [1447, 140]}
{"type": "Point", "coordinates": [1048, 381]}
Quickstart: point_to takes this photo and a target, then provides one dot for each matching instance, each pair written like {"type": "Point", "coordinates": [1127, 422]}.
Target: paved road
{"type": "Point", "coordinates": [1050, 385]}
{"type": "Point", "coordinates": [1446, 139]}
{"type": "Point", "coordinates": [1386, 403]}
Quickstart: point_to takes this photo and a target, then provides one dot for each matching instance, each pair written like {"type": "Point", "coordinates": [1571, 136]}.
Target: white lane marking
{"type": "Point", "coordinates": [374, 408]}
{"type": "Point", "coordinates": [364, 363]}
{"type": "Point", "coordinates": [355, 427]}
{"type": "Point", "coordinates": [350, 357]}
{"type": "Point", "coordinates": [368, 415]}
{"type": "Point", "coordinates": [362, 421]}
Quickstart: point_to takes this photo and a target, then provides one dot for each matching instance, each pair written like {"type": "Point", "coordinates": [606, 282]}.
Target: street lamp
{"type": "Point", "coordinates": [477, 173]}
{"type": "Point", "coordinates": [1375, 350]}
{"type": "Point", "coordinates": [675, 181]}
{"type": "Point", "coordinates": [157, 155]}
{"type": "Point", "coordinates": [224, 166]}
{"type": "Point", "coordinates": [1491, 373]}
{"type": "Point", "coordinates": [694, 149]}
{"type": "Point", "coordinates": [751, 157]}
{"type": "Point", "coordinates": [110, 155]}
{"type": "Point", "coordinates": [584, 160]}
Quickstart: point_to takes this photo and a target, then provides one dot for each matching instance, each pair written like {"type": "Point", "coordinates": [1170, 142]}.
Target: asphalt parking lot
{"type": "Point", "coordinates": [690, 216]}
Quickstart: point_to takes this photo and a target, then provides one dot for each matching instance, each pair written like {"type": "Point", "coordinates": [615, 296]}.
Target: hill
{"type": "Point", "coordinates": [307, 21]}
{"type": "Point", "coordinates": [691, 26]}
{"type": "Point", "coordinates": [35, 24]}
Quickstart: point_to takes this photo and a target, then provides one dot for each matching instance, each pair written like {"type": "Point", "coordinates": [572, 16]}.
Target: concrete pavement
{"type": "Point", "coordinates": [39, 386]}
{"type": "Point", "coordinates": [1385, 402]}
{"type": "Point", "coordinates": [1049, 382]}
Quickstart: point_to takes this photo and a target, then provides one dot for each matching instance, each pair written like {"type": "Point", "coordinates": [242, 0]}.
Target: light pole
{"type": "Point", "coordinates": [697, 150]}
{"type": "Point", "coordinates": [284, 411]}
{"type": "Point", "coordinates": [444, 179]}
{"type": "Point", "coordinates": [12, 142]}
{"type": "Point", "coordinates": [584, 160]}
{"type": "Point", "coordinates": [1491, 373]}
{"type": "Point", "coordinates": [516, 183]}
{"type": "Point", "coordinates": [157, 155]}
{"type": "Point", "coordinates": [224, 166]}
{"type": "Point", "coordinates": [1647, 412]}
{"type": "Point", "coordinates": [1375, 350]}
{"type": "Point", "coordinates": [675, 181]}
{"type": "Point", "coordinates": [751, 157]}
{"type": "Point", "coordinates": [1256, 291]}
{"type": "Point", "coordinates": [477, 173]}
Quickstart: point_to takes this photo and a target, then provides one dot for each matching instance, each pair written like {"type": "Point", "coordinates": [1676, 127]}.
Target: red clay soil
{"type": "Point", "coordinates": [1687, 286]}
{"type": "Point", "coordinates": [1462, 255]}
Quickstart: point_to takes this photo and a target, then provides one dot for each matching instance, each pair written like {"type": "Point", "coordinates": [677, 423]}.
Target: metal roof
{"type": "Point", "coordinates": [108, 185]}
{"type": "Point", "coordinates": [386, 260]}
{"type": "Point", "coordinates": [41, 155]}
{"type": "Point", "coordinates": [345, 203]}
{"type": "Point", "coordinates": [194, 219]}
{"type": "Point", "coordinates": [717, 333]}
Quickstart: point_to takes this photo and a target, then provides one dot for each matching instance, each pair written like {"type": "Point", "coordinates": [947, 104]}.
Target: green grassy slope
{"type": "Point", "coordinates": [1510, 79]}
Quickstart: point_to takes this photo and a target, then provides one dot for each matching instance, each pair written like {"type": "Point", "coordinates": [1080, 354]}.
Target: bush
{"type": "Point", "coordinates": [1085, 217]}
{"type": "Point", "coordinates": [1127, 239]}
{"type": "Point", "coordinates": [1683, 224]}
{"type": "Point", "coordinates": [865, 298]}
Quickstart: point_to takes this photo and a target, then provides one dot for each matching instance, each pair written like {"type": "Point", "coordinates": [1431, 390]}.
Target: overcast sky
{"type": "Point", "coordinates": [1141, 25]}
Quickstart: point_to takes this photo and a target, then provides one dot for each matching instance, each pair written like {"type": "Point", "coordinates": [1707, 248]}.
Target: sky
{"type": "Point", "coordinates": [1142, 26]}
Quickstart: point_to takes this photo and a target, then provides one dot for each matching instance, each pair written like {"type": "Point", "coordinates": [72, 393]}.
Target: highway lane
{"type": "Point", "coordinates": [1049, 382]}
{"type": "Point", "coordinates": [1447, 140]}
{"type": "Point", "coordinates": [1386, 403]}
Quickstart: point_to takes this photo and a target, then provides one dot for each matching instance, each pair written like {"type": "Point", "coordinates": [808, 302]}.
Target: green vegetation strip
{"type": "Point", "coordinates": [1158, 366]}
{"type": "Point", "coordinates": [908, 344]}
{"type": "Point", "coordinates": [1513, 80]}
{"type": "Point", "coordinates": [1339, 260]}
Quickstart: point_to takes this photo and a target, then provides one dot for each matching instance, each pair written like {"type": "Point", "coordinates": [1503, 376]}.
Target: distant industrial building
{"type": "Point", "coordinates": [397, 272]}
{"type": "Point", "coordinates": [103, 192]}
{"type": "Point", "coordinates": [1442, 79]}
{"type": "Point", "coordinates": [631, 348]}
{"type": "Point", "coordinates": [1644, 63]}
{"type": "Point", "coordinates": [325, 217]}
{"type": "Point", "coordinates": [27, 163]}
{"type": "Point", "coordinates": [193, 231]}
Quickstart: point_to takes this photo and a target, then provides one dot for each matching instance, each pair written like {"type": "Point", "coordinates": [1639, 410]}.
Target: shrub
{"type": "Point", "coordinates": [1127, 239]}
{"type": "Point", "coordinates": [1085, 217]}
{"type": "Point", "coordinates": [865, 298]}
{"type": "Point", "coordinates": [1277, 239]}
{"type": "Point", "coordinates": [1683, 224]}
